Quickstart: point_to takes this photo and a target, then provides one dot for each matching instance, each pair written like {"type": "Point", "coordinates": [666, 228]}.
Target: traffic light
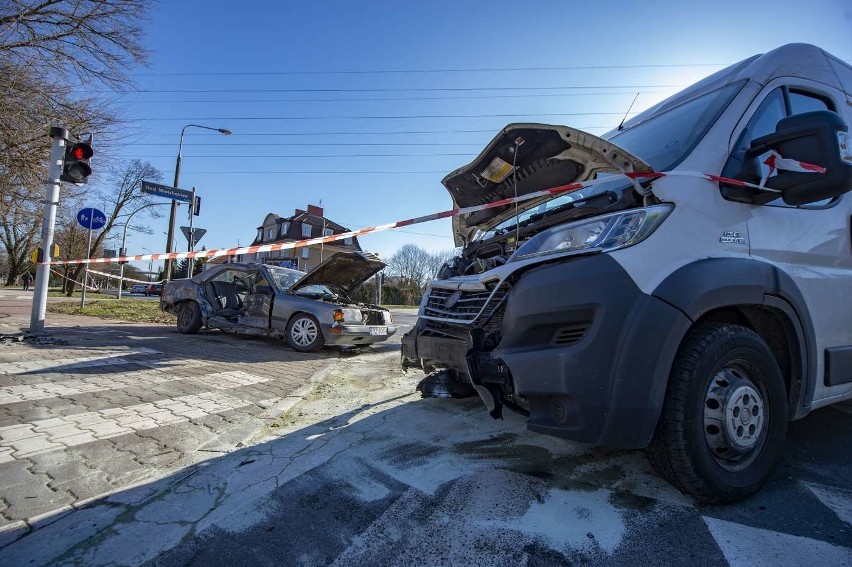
{"type": "Point", "coordinates": [75, 166]}
{"type": "Point", "coordinates": [196, 207]}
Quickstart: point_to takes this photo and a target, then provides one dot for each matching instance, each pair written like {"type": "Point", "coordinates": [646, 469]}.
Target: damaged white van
{"type": "Point", "coordinates": [681, 314]}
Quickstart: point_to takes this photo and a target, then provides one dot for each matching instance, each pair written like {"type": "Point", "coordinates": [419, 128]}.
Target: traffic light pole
{"type": "Point", "coordinates": [51, 201]}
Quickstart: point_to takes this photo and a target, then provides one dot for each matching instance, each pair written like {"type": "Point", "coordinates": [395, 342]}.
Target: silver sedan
{"type": "Point", "coordinates": [308, 310]}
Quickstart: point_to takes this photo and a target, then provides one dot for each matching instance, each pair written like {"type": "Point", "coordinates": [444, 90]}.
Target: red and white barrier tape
{"type": "Point", "coordinates": [116, 277]}
{"type": "Point", "coordinates": [562, 189]}
{"type": "Point", "coordinates": [775, 161]}
{"type": "Point", "coordinates": [88, 287]}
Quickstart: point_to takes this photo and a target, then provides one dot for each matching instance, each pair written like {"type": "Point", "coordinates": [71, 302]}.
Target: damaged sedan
{"type": "Point", "coordinates": [308, 310]}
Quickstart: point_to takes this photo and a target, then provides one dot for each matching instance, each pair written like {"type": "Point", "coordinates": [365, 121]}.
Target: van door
{"type": "Point", "coordinates": [812, 243]}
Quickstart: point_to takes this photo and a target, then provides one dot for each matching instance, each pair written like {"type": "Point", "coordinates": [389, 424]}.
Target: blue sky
{"type": "Point", "coordinates": [365, 106]}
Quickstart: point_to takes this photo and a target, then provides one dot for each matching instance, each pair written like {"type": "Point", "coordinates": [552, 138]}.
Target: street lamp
{"type": "Point", "coordinates": [123, 249]}
{"type": "Point", "coordinates": [170, 238]}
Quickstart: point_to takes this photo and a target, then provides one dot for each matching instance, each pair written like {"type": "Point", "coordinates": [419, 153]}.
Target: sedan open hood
{"type": "Point", "coordinates": [547, 156]}
{"type": "Point", "coordinates": [344, 271]}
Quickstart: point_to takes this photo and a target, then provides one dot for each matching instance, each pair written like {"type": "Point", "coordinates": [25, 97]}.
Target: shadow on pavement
{"type": "Point", "coordinates": [426, 481]}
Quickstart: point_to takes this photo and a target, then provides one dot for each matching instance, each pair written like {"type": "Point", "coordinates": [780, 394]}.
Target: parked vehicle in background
{"type": "Point", "coordinates": [687, 316]}
{"type": "Point", "coordinates": [154, 289]}
{"type": "Point", "coordinates": [309, 310]}
{"type": "Point", "coordinates": [138, 288]}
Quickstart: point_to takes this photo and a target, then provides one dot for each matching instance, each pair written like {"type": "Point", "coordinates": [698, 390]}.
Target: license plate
{"type": "Point", "coordinates": [378, 331]}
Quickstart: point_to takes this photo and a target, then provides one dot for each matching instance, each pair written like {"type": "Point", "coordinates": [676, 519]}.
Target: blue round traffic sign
{"type": "Point", "coordinates": [91, 218]}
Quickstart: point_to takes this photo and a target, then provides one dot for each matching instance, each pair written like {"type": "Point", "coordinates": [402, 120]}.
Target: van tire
{"type": "Point", "coordinates": [188, 317]}
{"type": "Point", "coordinates": [724, 418]}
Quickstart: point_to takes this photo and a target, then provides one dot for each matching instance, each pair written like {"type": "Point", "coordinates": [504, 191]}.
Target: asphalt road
{"type": "Point", "coordinates": [362, 471]}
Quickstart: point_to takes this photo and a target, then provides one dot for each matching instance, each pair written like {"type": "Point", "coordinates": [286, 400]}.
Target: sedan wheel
{"type": "Point", "coordinates": [304, 334]}
{"type": "Point", "coordinates": [188, 318]}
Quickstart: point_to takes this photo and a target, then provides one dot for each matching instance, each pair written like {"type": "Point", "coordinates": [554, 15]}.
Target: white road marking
{"type": "Point", "coordinates": [46, 435]}
{"type": "Point", "coordinates": [838, 499]}
{"type": "Point", "coordinates": [107, 358]}
{"type": "Point", "coordinates": [745, 546]}
{"type": "Point", "coordinates": [101, 383]}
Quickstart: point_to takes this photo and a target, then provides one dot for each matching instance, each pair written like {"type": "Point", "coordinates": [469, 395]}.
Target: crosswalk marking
{"type": "Point", "coordinates": [745, 546]}
{"type": "Point", "coordinates": [41, 436]}
{"type": "Point", "coordinates": [104, 359]}
{"type": "Point", "coordinates": [100, 383]}
{"type": "Point", "coordinates": [838, 499]}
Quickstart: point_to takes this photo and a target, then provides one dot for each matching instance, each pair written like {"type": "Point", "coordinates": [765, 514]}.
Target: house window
{"type": "Point", "coordinates": [327, 232]}
{"type": "Point", "coordinates": [284, 228]}
{"type": "Point", "coordinates": [348, 241]}
{"type": "Point", "coordinates": [306, 230]}
{"type": "Point", "coordinates": [270, 233]}
{"type": "Point", "coordinates": [306, 253]}
{"type": "Point", "coordinates": [260, 235]}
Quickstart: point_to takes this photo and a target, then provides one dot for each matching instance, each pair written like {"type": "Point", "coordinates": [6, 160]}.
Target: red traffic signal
{"type": "Point", "coordinates": [75, 167]}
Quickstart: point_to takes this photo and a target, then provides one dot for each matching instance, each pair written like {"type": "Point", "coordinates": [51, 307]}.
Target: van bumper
{"type": "Point", "coordinates": [581, 349]}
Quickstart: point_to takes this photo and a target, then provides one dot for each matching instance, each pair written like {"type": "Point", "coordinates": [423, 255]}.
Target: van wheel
{"type": "Point", "coordinates": [724, 418]}
{"type": "Point", "coordinates": [188, 318]}
{"type": "Point", "coordinates": [304, 333]}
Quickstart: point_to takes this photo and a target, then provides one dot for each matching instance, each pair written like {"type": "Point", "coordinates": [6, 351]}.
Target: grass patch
{"type": "Point", "coordinates": [56, 292]}
{"type": "Point", "coordinates": [131, 310]}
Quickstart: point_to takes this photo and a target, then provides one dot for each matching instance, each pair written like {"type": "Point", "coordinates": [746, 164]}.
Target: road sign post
{"type": "Point", "coordinates": [193, 236]}
{"type": "Point", "coordinates": [93, 219]}
{"type": "Point", "coordinates": [190, 261]}
{"type": "Point", "coordinates": [175, 195]}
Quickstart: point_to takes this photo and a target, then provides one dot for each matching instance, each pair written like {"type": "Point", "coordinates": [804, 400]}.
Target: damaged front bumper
{"type": "Point", "coordinates": [348, 334]}
{"type": "Point", "coordinates": [574, 345]}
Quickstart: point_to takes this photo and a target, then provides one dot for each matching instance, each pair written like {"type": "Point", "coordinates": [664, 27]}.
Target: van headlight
{"type": "Point", "coordinates": [602, 234]}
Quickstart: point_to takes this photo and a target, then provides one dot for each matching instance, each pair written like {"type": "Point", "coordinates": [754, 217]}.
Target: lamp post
{"type": "Point", "coordinates": [150, 263]}
{"type": "Point", "coordinates": [124, 242]}
{"type": "Point", "coordinates": [170, 238]}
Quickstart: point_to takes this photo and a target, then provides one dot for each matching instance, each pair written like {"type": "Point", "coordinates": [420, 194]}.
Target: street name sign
{"type": "Point", "coordinates": [90, 218]}
{"type": "Point", "coordinates": [166, 191]}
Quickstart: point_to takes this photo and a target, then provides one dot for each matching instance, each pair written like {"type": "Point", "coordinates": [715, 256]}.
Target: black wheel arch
{"type": "Point", "coordinates": [757, 295]}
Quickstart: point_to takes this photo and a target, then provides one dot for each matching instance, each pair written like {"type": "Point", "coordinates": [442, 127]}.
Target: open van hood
{"type": "Point", "coordinates": [547, 156]}
{"type": "Point", "coordinates": [344, 271]}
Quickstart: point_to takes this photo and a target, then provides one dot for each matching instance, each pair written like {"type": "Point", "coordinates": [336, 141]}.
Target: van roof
{"type": "Point", "coordinates": [791, 60]}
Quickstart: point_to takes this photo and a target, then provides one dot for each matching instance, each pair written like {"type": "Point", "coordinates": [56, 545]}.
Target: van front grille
{"type": "Point", "coordinates": [459, 305]}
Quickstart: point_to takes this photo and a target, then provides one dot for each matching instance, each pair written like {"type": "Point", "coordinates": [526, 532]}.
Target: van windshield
{"type": "Point", "coordinates": [665, 139]}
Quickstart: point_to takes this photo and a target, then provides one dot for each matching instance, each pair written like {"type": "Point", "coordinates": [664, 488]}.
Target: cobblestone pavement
{"type": "Point", "coordinates": [103, 405]}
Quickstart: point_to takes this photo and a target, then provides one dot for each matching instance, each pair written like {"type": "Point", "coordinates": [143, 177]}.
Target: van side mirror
{"type": "Point", "coordinates": [819, 138]}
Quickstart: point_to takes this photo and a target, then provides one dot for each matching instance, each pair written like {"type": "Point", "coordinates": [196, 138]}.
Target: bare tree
{"type": "Point", "coordinates": [124, 198]}
{"type": "Point", "coordinates": [438, 259]}
{"type": "Point", "coordinates": [17, 234]}
{"type": "Point", "coordinates": [75, 41]}
{"type": "Point", "coordinates": [48, 50]}
{"type": "Point", "coordinates": [410, 264]}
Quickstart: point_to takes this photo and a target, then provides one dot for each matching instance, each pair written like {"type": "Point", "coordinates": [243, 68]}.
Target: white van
{"type": "Point", "coordinates": [684, 315]}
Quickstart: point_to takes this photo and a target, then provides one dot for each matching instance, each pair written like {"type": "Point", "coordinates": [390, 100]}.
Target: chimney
{"type": "Point", "coordinates": [314, 210]}
{"type": "Point", "coordinates": [299, 212]}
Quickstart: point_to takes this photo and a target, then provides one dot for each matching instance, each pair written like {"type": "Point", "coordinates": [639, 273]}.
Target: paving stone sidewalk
{"type": "Point", "coordinates": [103, 405]}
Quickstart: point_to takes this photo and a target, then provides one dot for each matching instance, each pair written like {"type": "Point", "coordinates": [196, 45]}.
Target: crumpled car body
{"type": "Point", "coordinates": [308, 310]}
